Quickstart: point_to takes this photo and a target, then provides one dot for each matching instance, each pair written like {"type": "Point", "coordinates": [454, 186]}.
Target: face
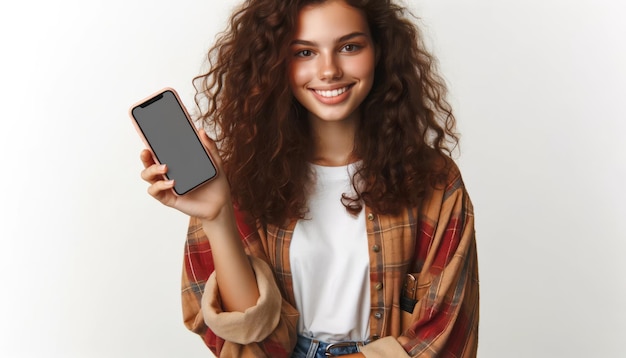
{"type": "Point", "coordinates": [332, 61]}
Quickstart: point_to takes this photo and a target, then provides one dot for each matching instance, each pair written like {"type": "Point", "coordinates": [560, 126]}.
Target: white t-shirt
{"type": "Point", "coordinates": [330, 262]}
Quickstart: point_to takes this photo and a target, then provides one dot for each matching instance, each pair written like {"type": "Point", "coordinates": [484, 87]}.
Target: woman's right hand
{"type": "Point", "coordinates": [206, 202]}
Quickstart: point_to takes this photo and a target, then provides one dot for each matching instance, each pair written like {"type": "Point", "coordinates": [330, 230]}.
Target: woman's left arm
{"type": "Point", "coordinates": [444, 322]}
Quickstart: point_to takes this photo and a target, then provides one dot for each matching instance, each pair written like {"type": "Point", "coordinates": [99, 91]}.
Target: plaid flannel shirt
{"type": "Point", "coordinates": [434, 241]}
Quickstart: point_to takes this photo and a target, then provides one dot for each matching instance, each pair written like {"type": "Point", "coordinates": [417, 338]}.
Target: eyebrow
{"type": "Point", "coordinates": [343, 38]}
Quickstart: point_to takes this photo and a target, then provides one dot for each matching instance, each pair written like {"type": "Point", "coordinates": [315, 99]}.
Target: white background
{"type": "Point", "coordinates": [90, 264]}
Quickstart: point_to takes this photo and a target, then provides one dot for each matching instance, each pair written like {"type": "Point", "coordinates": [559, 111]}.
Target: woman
{"type": "Point", "coordinates": [338, 224]}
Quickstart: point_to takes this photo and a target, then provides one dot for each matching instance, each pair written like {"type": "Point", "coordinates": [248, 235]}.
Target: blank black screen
{"type": "Point", "coordinates": [174, 141]}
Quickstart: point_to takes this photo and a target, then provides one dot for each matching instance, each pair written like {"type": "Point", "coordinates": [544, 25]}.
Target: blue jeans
{"type": "Point", "coordinates": [311, 348]}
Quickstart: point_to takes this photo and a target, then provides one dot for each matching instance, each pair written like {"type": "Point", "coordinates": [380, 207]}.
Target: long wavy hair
{"type": "Point", "coordinates": [405, 135]}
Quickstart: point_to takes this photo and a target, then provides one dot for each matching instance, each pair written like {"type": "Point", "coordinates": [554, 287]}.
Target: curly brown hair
{"type": "Point", "coordinates": [405, 135]}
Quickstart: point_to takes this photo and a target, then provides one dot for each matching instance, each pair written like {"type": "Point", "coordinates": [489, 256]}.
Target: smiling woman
{"type": "Point", "coordinates": [90, 266]}
{"type": "Point", "coordinates": [332, 69]}
{"type": "Point", "coordinates": [339, 224]}
{"type": "Point", "coordinates": [330, 74]}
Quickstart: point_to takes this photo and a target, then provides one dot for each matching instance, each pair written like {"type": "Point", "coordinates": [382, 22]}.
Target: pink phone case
{"type": "Point", "coordinates": [143, 138]}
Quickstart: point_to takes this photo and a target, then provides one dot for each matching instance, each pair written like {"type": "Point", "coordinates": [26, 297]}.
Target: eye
{"type": "Point", "coordinates": [304, 53]}
{"type": "Point", "coordinates": [350, 48]}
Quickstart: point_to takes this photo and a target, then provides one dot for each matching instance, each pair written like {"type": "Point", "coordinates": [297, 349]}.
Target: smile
{"type": "Point", "coordinates": [332, 93]}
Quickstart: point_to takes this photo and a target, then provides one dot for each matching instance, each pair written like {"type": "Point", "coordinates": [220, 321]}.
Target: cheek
{"type": "Point", "coordinates": [298, 75]}
{"type": "Point", "coordinates": [364, 66]}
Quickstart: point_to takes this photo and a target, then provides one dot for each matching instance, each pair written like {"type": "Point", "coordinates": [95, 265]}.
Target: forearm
{"type": "Point", "coordinates": [235, 278]}
{"type": "Point", "coordinates": [269, 325]}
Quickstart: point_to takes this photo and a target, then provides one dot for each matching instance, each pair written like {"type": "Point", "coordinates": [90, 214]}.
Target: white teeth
{"type": "Point", "coordinates": [333, 93]}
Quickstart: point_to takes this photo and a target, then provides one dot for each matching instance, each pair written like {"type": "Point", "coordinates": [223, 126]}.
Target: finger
{"type": "Point", "coordinates": [159, 190]}
{"type": "Point", "coordinates": [208, 142]}
{"type": "Point", "coordinates": [154, 172]}
{"type": "Point", "coordinates": [210, 145]}
{"type": "Point", "coordinates": [146, 158]}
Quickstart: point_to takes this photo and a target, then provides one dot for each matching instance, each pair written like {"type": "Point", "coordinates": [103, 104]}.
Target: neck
{"type": "Point", "coordinates": [333, 141]}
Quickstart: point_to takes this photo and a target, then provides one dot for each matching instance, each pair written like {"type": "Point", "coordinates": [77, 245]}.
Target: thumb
{"type": "Point", "coordinates": [210, 145]}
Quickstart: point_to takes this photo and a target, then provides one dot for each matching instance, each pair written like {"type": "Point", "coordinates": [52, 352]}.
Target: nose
{"type": "Point", "coordinates": [330, 67]}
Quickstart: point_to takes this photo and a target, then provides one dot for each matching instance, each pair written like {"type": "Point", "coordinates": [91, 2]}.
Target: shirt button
{"type": "Point", "coordinates": [379, 286]}
{"type": "Point", "coordinates": [370, 217]}
{"type": "Point", "coordinates": [376, 248]}
{"type": "Point", "coordinates": [378, 315]}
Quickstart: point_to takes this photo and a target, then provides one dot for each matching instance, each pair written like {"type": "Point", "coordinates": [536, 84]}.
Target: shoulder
{"type": "Point", "coordinates": [447, 177]}
{"type": "Point", "coordinates": [446, 192]}
{"type": "Point", "coordinates": [454, 180]}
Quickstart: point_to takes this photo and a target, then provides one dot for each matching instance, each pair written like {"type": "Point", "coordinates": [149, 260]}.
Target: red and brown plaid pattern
{"type": "Point", "coordinates": [435, 241]}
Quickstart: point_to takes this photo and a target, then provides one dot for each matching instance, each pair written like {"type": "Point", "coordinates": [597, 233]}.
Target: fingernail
{"type": "Point", "coordinates": [169, 183]}
{"type": "Point", "coordinates": [162, 167]}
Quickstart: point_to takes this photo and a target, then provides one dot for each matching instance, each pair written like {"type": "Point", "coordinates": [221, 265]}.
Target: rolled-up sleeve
{"type": "Point", "coordinates": [257, 322]}
{"type": "Point", "coordinates": [267, 329]}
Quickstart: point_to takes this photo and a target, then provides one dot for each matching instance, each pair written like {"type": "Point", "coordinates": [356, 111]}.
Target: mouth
{"type": "Point", "coordinates": [334, 96]}
{"type": "Point", "coordinates": [332, 93]}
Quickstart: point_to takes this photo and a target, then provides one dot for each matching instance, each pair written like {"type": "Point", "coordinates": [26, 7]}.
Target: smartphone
{"type": "Point", "coordinates": [166, 128]}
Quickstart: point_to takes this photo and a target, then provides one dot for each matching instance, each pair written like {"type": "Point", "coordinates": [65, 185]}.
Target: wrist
{"type": "Point", "coordinates": [222, 224]}
{"type": "Point", "coordinates": [224, 215]}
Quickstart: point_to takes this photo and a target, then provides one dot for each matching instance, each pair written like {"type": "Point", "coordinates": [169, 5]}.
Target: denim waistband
{"type": "Point", "coordinates": [312, 348]}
